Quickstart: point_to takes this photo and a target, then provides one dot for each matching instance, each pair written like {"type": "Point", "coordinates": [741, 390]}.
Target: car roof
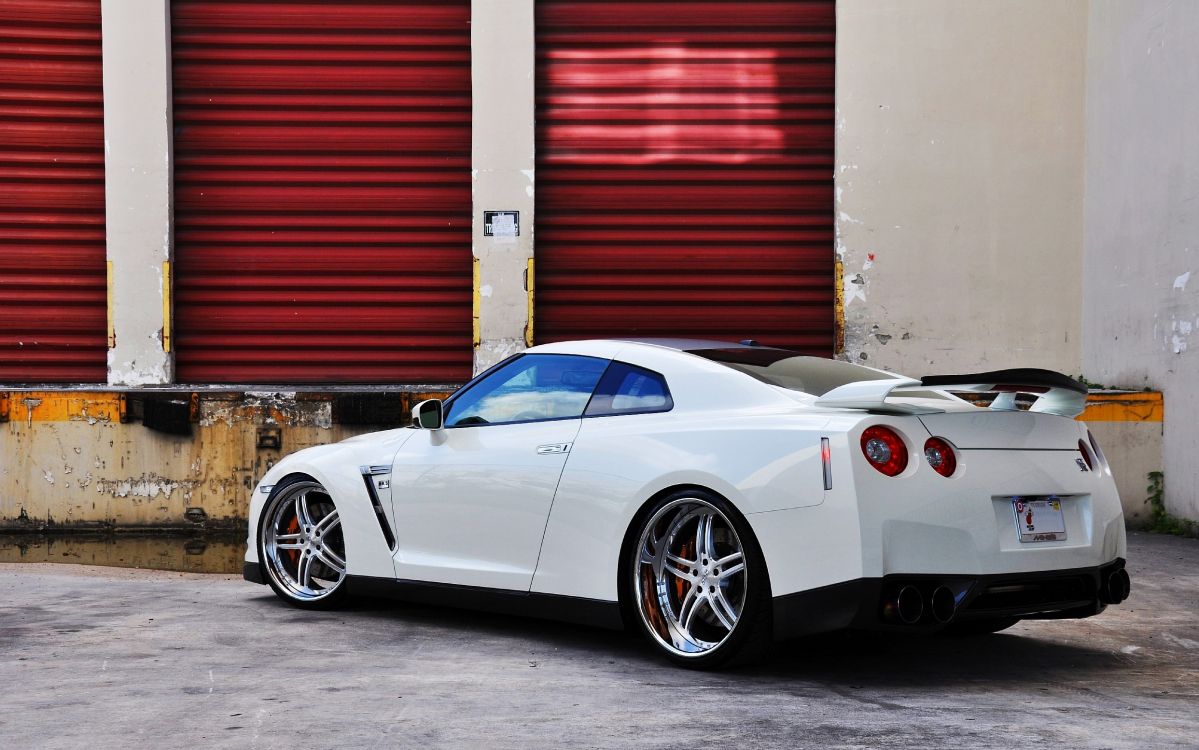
{"type": "Point", "coordinates": [687, 345]}
{"type": "Point", "coordinates": [608, 347]}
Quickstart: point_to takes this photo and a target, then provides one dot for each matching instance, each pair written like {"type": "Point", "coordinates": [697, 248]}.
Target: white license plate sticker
{"type": "Point", "coordinates": [1039, 519]}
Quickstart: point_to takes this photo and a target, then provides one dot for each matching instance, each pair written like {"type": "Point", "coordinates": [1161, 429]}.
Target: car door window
{"type": "Point", "coordinates": [529, 388]}
{"type": "Point", "coordinates": [627, 389]}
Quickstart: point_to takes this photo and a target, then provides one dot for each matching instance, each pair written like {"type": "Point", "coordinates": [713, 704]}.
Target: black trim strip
{"type": "Point", "coordinates": [594, 612]}
{"type": "Point", "coordinates": [369, 480]}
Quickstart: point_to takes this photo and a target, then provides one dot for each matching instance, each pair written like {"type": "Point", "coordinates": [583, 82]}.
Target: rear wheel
{"type": "Point", "coordinates": [699, 582]}
{"type": "Point", "coordinates": [301, 545]}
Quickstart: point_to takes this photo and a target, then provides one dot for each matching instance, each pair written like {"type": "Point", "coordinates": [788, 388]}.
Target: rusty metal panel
{"type": "Point", "coordinates": [52, 273]}
{"type": "Point", "coordinates": [322, 191]}
{"type": "Point", "coordinates": [685, 170]}
{"type": "Point", "coordinates": [65, 406]}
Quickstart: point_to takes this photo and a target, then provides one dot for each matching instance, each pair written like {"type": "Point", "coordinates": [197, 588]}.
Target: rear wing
{"type": "Point", "coordinates": [1057, 393]}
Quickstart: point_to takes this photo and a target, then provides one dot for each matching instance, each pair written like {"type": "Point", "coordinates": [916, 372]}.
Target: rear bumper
{"type": "Point", "coordinates": [862, 604]}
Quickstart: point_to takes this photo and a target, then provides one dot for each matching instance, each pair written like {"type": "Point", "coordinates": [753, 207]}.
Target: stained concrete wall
{"type": "Point", "coordinates": [1128, 427]}
{"type": "Point", "coordinates": [81, 461]}
{"type": "Point", "coordinates": [1141, 279]}
{"type": "Point", "coordinates": [959, 182]}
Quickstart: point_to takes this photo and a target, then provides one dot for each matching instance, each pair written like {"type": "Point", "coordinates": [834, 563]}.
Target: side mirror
{"type": "Point", "coordinates": [427, 415]}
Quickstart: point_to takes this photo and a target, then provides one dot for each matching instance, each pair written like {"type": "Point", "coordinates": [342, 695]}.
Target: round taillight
{"type": "Point", "coordinates": [1086, 455]}
{"type": "Point", "coordinates": [884, 449]}
{"type": "Point", "coordinates": [940, 456]}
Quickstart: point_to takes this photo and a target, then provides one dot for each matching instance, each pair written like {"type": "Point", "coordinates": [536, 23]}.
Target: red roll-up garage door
{"type": "Point", "coordinates": [685, 170]}
{"type": "Point", "coordinates": [52, 288]}
{"type": "Point", "coordinates": [322, 191]}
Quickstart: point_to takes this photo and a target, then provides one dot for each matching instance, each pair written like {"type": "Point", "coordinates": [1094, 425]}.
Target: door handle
{"type": "Point", "coordinates": [545, 450]}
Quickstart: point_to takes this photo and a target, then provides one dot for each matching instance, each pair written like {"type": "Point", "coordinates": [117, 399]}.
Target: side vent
{"type": "Point", "coordinates": [368, 478]}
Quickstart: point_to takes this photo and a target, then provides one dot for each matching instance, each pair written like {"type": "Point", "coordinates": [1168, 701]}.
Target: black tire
{"type": "Point", "coordinates": [275, 569]}
{"type": "Point", "coordinates": [751, 635]}
{"type": "Point", "coordinates": [981, 627]}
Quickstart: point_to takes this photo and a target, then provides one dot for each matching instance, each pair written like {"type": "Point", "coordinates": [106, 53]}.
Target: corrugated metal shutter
{"type": "Point", "coordinates": [52, 281]}
{"type": "Point", "coordinates": [685, 170]}
{"type": "Point", "coordinates": [322, 191]}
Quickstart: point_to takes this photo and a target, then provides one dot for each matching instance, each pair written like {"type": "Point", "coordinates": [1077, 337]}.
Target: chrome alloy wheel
{"type": "Point", "coordinates": [690, 577]}
{"type": "Point", "coordinates": [302, 542]}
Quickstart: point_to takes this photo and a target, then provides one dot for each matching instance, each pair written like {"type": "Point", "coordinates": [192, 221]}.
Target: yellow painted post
{"type": "Point", "coordinates": [838, 309]}
{"type": "Point", "coordinates": [530, 288]}
{"type": "Point", "coordinates": [166, 306]}
{"type": "Point", "coordinates": [112, 331]}
{"type": "Point", "coordinates": [475, 304]}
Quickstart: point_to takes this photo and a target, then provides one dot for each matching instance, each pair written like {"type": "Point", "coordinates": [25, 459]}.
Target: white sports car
{"type": "Point", "coordinates": [716, 496]}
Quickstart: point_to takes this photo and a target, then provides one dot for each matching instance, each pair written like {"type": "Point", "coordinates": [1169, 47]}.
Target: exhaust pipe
{"type": "Point", "coordinates": [943, 604]}
{"type": "Point", "coordinates": [908, 605]}
{"type": "Point", "coordinates": [1117, 587]}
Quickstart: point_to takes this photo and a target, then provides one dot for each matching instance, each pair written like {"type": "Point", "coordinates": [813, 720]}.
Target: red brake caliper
{"type": "Point", "coordinates": [680, 586]}
{"type": "Point", "coordinates": [293, 528]}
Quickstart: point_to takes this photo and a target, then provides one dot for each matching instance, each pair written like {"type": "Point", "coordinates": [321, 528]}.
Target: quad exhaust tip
{"type": "Point", "coordinates": [1117, 587]}
{"type": "Point", "coordinates": [909, 605]}
{"type": "Point", "coordinates": [943, 604]}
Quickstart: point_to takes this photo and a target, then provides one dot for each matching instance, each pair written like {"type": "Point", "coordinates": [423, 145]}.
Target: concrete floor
{"type": "Point", "coordinates": [109, 658]}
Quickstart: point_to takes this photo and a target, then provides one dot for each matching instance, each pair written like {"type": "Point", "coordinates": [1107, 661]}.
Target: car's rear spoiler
{"type": "Point", "coordinates": [1057, 393]}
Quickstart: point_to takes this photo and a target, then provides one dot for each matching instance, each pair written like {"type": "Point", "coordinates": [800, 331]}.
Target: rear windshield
{"type": "Point", "coordinates": [814, 375]}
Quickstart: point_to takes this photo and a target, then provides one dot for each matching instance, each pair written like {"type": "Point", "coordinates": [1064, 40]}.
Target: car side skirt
{"type": "Point", "coordinates": [859, 604]}
{"type": "Point", "coordinates": [595, 612]}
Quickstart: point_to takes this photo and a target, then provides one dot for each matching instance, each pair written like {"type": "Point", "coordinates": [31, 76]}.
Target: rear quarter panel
{"type": "Point", "coordinates": [762, 461]}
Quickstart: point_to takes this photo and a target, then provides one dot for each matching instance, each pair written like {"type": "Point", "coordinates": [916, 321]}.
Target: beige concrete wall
{"type": "Point", "coordinates": [502, 154]}
{"type": "Point", "coordinates": [1133, 449]}
{"type": "Point", "coordinates": [959, 182]}
{"type": "Point", "coordinates": [1141, 283]}
{"type": "Point", "coordinates": [137, 187]}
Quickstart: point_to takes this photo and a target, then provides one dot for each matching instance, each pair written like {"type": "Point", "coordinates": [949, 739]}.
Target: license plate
{"type": "Point", "coordinates": [1039, 519]}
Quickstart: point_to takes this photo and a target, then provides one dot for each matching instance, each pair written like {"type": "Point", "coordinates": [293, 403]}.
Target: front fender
{"type": "Point", "coordinates": [336, 467]}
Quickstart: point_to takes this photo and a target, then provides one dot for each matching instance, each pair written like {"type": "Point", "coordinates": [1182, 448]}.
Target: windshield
{"type": "Point", "coordinates": [814, 375]}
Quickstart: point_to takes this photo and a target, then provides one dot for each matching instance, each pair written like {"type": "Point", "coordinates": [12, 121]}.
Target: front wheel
{"type": "Point", "coordinates": [699, 582]}
{"type": "Point", "coordinates": [301, 545]}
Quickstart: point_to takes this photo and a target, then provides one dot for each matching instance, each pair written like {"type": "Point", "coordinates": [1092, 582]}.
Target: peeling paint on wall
{"type": "Point", "coordinates": [268, 408]}
{"type": "Point", "coordinates": [134, 476]}
{"type": "Point", "coordinates": [494, 351]}
{"type": "Point", "coordinates": [147, 486]}
{"type": "Point", "coordinates": [135, 372]}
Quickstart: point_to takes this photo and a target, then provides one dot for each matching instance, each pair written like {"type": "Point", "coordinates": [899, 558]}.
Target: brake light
{"type": "Point", "coordinates": [940, 456]}
{"type": "Point", "coordinates": [1086, 455]}
{"type": "Point", "coordinates": [884, 449]}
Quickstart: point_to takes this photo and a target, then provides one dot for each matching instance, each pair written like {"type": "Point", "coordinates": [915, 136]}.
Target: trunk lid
{"type": "Point", "coordinates": [984, 429]}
